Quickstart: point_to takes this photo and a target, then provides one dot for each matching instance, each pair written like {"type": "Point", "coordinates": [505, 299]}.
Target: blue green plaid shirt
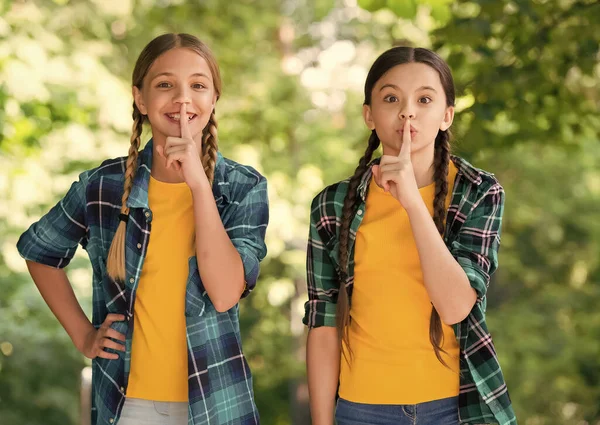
{"type": "Point", "coordinates": [472, 235]}
{"type": "Point", "coordinates": [219, 380]}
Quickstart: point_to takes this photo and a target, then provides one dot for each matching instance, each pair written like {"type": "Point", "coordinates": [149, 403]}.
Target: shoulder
{"type": "Point", "coordinates": [112, 168]}
{"type": "Point", "coordinates": [236, 181]}
{"type": "Point", "coordinates": [326, 207]}
{"type": "Point", "coordinates": [239, 174]}
{"type": "Point", "coordinates": [477, 180]}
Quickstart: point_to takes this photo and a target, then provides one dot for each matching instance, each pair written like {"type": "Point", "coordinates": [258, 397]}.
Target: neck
{"type": "Point", "coordinates": [422, 161]}
{"type": "Point", "coordinates": [159, 170]}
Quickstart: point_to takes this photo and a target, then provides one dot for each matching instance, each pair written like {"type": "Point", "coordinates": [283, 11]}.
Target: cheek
{"type": "Point", "coordinates": [204, 100]}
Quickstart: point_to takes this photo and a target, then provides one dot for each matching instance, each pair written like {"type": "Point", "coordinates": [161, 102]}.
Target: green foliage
{"type": "Point", "coordinates": [527, 83]}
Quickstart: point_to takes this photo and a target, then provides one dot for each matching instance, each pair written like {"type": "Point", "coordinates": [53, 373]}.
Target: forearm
{"type": "Point", "coordinates": [219, 262]}
{"type": "Point", "coordinates": [58, 293]}
{"type": "Point", "coordinates": [446, 282]}
{"type": "Point", "coordinates": [323, 367]}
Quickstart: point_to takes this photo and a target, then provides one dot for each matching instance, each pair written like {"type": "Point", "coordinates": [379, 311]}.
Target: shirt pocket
{"type": "Point", "coordinates": [196, 298]}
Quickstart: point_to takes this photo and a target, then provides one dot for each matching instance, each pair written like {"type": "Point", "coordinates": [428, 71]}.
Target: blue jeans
{"type": "Point", "coordinates": [436, 412]}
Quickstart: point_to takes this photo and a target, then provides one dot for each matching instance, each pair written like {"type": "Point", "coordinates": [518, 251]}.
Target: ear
{"type": "Point", "coordinates": [448, 118]}
{"type": "Point", "coordinates": [139, 100]}
{"type": "Point", "coordinates": [368, 117]}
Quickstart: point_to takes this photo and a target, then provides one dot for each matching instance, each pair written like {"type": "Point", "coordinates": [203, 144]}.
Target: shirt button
{"type": "Point", "coordinates": [147, 214]}
{"type": "Point", "coordinates": [111, 420]}
{"type": "Point", "coordinates": [139, 245]}
{"type": "Point", "coordinates": [131, 280]}
{"type": "Point", "coordinates": [359, 212]}
{"type": "Point", "coordinates": [122, 389]}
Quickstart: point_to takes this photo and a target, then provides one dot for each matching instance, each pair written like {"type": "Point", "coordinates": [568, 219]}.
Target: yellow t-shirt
{"type": "Point", "coordinates": [159, 363]}
{"type": "Point", "coordinates": [394, 361]}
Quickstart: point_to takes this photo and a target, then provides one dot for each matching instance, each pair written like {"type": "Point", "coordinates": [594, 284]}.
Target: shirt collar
{"type": "Point", "coordinates": [138, 198]}
{"type": "Point", "coordinates": [465, 169]}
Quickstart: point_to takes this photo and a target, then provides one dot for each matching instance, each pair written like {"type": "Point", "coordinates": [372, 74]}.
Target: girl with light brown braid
{"type": "Point", "coordinates": [175, 233]}
{"type": "Point", "coordinates": [399, 261]}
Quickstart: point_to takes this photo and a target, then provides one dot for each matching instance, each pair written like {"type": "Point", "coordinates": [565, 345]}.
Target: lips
{"type": "Point", "coordinates": [413, 131]}
{"type": "Point", "coordinates": [176, 116]}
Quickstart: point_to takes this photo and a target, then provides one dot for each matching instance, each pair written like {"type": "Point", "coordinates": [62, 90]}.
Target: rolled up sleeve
{"type": "Point", "coordinates": [321, 275]}
{"type": "Point", "coordinates": [477, 244]}
{"type": "Point", "coordinates": [53, 239]}
{"type": "Point", "coordinates": [247, 232]}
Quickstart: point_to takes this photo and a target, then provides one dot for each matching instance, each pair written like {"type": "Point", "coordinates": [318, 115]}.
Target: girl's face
{"type": "Point", "coordinates": [177, 76]}
{"type": "Point", "coordinates": [409, 91]}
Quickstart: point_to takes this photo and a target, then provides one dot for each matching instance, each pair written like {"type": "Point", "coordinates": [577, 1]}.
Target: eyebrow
{"type": "Point", "coordinates": [170, 74]}
{"type": "Point", "coordinates": [395, 87]}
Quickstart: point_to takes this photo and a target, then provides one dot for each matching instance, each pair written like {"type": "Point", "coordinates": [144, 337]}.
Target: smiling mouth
{"type": "Point", "coordinates": [177, 117]}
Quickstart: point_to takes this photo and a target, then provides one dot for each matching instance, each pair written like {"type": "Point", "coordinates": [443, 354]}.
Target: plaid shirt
{"type": "Point", "coordinates": [219, 382]}
{"type": "Point", "coordinates": [472, 235]}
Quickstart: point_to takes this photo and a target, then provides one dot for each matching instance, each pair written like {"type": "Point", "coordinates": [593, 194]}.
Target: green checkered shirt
{"type": "Point", "coordinates": [472, 235]}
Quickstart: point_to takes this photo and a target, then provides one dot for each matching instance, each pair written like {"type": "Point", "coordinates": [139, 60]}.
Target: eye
{"type": "Point", "coordinates": [164, 85]}
{"type": "Point", "coordinates": [198, 86]}
{"type": "Point", "coordinates": [425, 100]}
{"type": "Point", "coordinates": [390, 98]}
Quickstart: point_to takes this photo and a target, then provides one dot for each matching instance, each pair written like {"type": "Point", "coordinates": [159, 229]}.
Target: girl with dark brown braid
{"type": "Point", "coordinates": [399, 261]}
{"type": "Point", "coordinates": [175, 233]}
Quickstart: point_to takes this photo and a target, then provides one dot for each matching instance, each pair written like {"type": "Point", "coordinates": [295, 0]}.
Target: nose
{"type": "Point", "coordinates": [182, 96]}
{"type": "Point", "coordinates": [406, 111]}
{"type": "Point", "coordinates": [406, 114]}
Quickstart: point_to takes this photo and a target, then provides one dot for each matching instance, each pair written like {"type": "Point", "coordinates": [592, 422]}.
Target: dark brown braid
{"type": "Point", "coordinates": [441, 164]}
{"type": "Point", "coordinates": [210, 146]}
{"type": "Point", "coordinates": [343, 302]}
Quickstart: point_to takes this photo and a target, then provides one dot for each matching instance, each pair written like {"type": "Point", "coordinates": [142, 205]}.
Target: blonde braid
{"type": "Point", "coordinates": [210, 145]}
{"type": "Point", "coordinates": [115, 264]}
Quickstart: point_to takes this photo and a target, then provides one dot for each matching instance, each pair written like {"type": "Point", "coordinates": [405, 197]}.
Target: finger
{"type": "Point", "coordinates": [391, 167]}
{"type": "Point", "coordinates": [386, 179]}
{"type": "Point", "coordinates": [174, 149]}
{"type": "Point", "coordinates": [105, 355]}
{"type": "Point", "coordinates": [175, 141]}
{"type": "Point", "coordinates": [160, 151]}
{"type": "Point", "coordinates": [111, 333]}
{"type": "Point", "coordinates": [186, 133]}
{"type": "Point", "coordinates": [406, 141]}
{"type": "Point", "coordinates": [389, 159]}
{"type": "Point", "coordinates": [172, 159]}
{"type": "Point", "coordinates": [112, 317]}
{"type": "Point", "coordinates": [376, 174]}
{"type": "Point", "coordinates": [107, 343]}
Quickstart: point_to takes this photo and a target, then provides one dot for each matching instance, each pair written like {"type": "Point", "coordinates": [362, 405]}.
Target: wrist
{"type": "Point", "coordinates": [79, 338]}
{"type": "Point", "coordinates": [416, 207]}
{"type": "Point", "coordinates": [201, 186]}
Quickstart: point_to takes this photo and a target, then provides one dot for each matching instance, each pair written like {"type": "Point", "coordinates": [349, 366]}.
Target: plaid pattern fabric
{"type": "Point", "coordinates": [473, 237]}
{"type": "Point", "coordinates": [219, 381]}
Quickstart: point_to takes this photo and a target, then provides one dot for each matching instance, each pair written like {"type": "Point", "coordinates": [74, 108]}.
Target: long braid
{"type": "Point", "coordinates": [210, 146]}
{"type": "Point", "coordinates": [343, 302]}
{"type": "Point", "coordinates": [441, 164]}
{"type": "Point", "coordinates": [115, 263]}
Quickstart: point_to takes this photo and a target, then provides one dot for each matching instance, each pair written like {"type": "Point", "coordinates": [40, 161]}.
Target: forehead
{"type": "Point", "coordinates": [180, 62]}
{"type": "Point", "coordinates": [410, 76]}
